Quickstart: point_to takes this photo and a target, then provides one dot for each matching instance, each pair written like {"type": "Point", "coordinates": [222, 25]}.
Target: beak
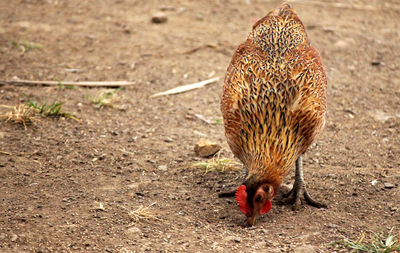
{"type": "Point", "coordinates": [251, 220]}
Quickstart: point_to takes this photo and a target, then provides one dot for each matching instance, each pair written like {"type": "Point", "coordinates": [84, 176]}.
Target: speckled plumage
{"type": "Point", "coordinates": [274, 96]}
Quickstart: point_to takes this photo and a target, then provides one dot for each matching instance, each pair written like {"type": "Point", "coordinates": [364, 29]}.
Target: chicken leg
{"type": "Point", "coordinates": [300, 190]}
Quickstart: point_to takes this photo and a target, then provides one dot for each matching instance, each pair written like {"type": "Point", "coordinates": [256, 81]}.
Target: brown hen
{"type": "Point", "coordinates": [273, 105]}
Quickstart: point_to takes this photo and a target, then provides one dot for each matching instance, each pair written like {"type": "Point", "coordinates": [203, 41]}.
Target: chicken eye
{"type": "Point", "coordinates": [258, 198]}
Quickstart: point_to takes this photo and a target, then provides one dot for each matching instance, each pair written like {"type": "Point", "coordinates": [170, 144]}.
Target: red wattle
{"type": "Point", "coordinates": [266, 207]}
{"type": "Point", "coordinates": [241, 199]}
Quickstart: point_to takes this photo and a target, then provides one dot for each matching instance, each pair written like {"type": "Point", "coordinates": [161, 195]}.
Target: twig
{"type": "Point", "coordinates": [85, 83]}
{"type": "Point", "coordinates": [199, 133]}
{"type": "Point", "coordinates": [127, 152]}
{"type": "Point", "coordinates": [4, 152]}
{"type": "Point", "coordinates": [202, 118]}
{"type": "Point", "coordinates": [193, 50]}
{"type": "Point", "coordinates": [184, 88]}
{"type": "Point", "coordinates": [361, 237]}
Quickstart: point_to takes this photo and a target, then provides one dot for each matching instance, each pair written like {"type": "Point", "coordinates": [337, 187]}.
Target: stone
{"type": "Point", "coordinates": [388, 185]}
{"type": "Point", "coordinates": [133, 232]}
{"type": "Point", "coordinates": [168, 140]}
{"type": "Point", "coordinates": [381, 116]}
{"type": "Point", "coordinates": [159, 18]}
{"type": "Point", "coordinates": [206, 148]}
{"type": "Point", "coordinates": [305, 249]}
{"type": "Point", "coordinates": [14, 237]}
{"type": "Point", "coordinates": [233, 239]}
{"type": "Point", "coordinates": [162, 167]}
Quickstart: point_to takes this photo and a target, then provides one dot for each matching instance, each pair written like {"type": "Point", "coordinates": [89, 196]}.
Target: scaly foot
{"type": "Point", "coordinates": [299, 190]}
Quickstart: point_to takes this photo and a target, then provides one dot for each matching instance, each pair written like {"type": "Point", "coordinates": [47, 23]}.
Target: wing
{"type": "Point", "coordinates": [234, 84]}
{"type": "Point", "coordinates": [308, 110]}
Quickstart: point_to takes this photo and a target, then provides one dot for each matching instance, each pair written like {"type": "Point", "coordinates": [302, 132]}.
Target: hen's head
{"type": "Point", "coordinates": [254, 201]}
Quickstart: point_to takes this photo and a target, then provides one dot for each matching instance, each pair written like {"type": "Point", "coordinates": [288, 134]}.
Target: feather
{"type": "Point", "coordinates": [273, 102]}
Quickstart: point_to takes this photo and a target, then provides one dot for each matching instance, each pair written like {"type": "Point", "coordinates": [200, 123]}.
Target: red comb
{"type": "Point", "coordinates": [266, 207]}
{"type": "Point", "coordinates": [241, 199]}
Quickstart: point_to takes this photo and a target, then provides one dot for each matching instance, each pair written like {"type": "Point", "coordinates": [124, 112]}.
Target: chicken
{"type": "Point", "coordinates": [273, 105]}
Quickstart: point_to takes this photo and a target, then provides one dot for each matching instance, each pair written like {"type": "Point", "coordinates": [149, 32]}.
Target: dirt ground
{"type": "Point", "coordinates": [56, 174]}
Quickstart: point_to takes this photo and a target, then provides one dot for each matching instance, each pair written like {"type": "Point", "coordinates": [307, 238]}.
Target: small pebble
{"type": "Point", "coordinates": [388, 185]}
{"type": "Point", "coordinates": [333, 226]}
{"type": "Point", "coordinates": [133, 230]}
{"type": "Point", "coordinates": [168, 140]}
{"type": "Point", "coordinates": [162, 167]}
{"type": "Point", "coordinates": [377, 63]}
{"type": "Point", "coordinates": [159, 18]}
{"type": "Point", "coordinates": [305, 249]}
{"type": "Point", "coordinates": [14, 237]}
{"type": "Point", "coordinates": [233, 238]}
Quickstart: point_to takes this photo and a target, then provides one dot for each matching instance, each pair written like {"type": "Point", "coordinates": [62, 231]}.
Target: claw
{"type": "Point", "coordinates": [299, 191]}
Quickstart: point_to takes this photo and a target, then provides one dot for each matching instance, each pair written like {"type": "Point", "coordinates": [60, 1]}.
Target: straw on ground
{"type": "Point", "coordinates": [106, 98]}
{"type": "Point", "coordinates": [373, 243]}
{"type": "Point", "coordinates": [142, 213]}
{"type": "Point", "coordinates": [20, 113]}
{"type": "Point", "coordinates": [218, 164]}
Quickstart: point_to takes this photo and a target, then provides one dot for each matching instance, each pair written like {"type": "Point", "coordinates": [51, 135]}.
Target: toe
{"type": "Point", "coordinates": [312, 202]}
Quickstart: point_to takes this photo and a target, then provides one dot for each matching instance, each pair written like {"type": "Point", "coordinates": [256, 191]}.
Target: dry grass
{"type": "Point", "coordinates": [26, 46]}
{"type": "Point", "coordinates": [106, 98]}
{"type": "Point", "coordinates": [20, 113]}
{"type": "Point", "coordinates": [28, 113]}
{"type": "Point", "coordinates": [373, 242]}
{"type": "Point", "coordinates": [218, 164]}
{"type": "Point", "coordinates": [142, 213]}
